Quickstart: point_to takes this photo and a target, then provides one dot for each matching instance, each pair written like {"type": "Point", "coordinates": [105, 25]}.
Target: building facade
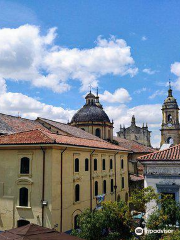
{"type": "Point", "coordinates": [161, 171]}
{"type": "Point", "coordinates": [139, 134]}
{"type": "Point", "coordinates": [170, 128]}
{"type": "Point", "coordinates": [93, 119]}
{"type": "Point", "coordinates": [49, 176]}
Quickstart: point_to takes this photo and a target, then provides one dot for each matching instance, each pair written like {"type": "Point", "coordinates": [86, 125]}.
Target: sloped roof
{"type": "Point", "coordinates": [11, 124]}
{"type": "Point", "coordinates": [133, 146]}
{"type": "Point", "coordinates": [35, 232]}
{"type": "Point", "coordinates": [74, 131]}
{"type": "Point", "coordinates": [172, 153]}
{"type": "Point", "coordinates": [46, 137]}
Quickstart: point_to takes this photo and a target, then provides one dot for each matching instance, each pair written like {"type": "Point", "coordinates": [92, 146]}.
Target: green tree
{"type": "Point", "coordinates": [112, 222]}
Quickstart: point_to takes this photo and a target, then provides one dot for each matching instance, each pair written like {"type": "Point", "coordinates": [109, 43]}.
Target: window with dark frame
{"type": "Point", "coordinates": [104, 164]}
{"type": "Point", "coordinates": [95, 164]}
{"type": "Point", "coordinates": [23, 197]}
{"type": "Point", "coordinates": [77, 165]}
{"type": "Point", "coordinates": [122, 164]}
{"type": "Point", "coordinates": [96, 188]}
{"type": "Point", "coordinates": [98, 132]}
{"type": "Point", "coordinates": [77, 193]}
{"type": "Point", "coordinates": [112, 185]}
{"type": "Point", "coordinates": [25, 162]}
{"type": "Point", "coordinates": [104, 186]}
{"type": "Point", "coordinates": [111, 164]}
{"type": "Point", "coordinates": [122, 182]}
{"type": "Point", "coordinates": [86, 164]}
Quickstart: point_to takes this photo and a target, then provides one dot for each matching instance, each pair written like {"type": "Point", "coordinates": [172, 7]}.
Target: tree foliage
{"type": "Point", "coordinates": [112, 222]}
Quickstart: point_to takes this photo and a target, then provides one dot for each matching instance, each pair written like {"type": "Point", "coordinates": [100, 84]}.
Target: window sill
{"type": "Point", "coordinates": [24, 175]}
{"type": "Point", "coordinates": [78, 202]}
{"type": "Point", "coordinates": [23, 207]}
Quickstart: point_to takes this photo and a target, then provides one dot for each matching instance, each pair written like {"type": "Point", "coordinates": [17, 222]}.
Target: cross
{"type": "Point", "coordinates": [90, 87]}
{"type": "Point", "coordinates": [169, 83]}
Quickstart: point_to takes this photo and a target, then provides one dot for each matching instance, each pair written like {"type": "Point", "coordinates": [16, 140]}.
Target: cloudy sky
{"type": "Point", "coordinates": [52, 50]}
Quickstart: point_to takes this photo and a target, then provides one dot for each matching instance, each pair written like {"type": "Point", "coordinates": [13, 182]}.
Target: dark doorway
{"type": "Point", "coordinates": [21, 223]}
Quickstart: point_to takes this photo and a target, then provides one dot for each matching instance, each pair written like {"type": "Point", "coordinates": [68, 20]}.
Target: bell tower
{"type": "Point", "coordinates": [170, 128]}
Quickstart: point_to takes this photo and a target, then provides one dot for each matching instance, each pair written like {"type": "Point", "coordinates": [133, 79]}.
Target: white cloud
{"type": "Point", "coordinates": [144, 38]}
{"type": "Point", "coordinates": [158, 93]}
{"type": "Point", "coordinates": [175, 68]}
{"type": "Point", "coordinates": [149, 71]}
{"type": "Point", "coordinates": [140, 90]}
{"type": "Point", "coordinates": [26, 55]}
{"type": "Point", "coordinates": [120, 95]}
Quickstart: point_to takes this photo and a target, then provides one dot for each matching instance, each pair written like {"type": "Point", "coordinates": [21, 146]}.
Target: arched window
{"type": "Point", "coordinates": [104, 164]}
{"type": "Point", "coordinates": [22, 222]}
{"type": "Point", "coordinates": [86, 164]}
{"type": "Point", "coordinates": [24, 165]}
{"type": "Point", "coordinates": [77, 193]}
{"type": "Point", "coordinates": [122, 164]}
{"type": "Point", "coordinates": [76, 226]}
{"type": "Point", "coordinates": [95, 164]}
{"type": "Point", "coordinates": [118, 198]}
{"type": "Point", "coordinates": [122, 182]}
{"type": "Point", "coordinates": [77, 165]}
{"type": "Point", "coordinates": [23, 197]}
{"type": "Point", "coordinates": [98, 132]}
{"type": "Point", "coordinates": [170, 140]}
{"type": "Point", "coordinates": [104, 186]}
{"type": "Point", "coordinates": [111, 164]}
{"type": "Point", "coordinates": [96, 188]}
{"type": "Point", "coordinates": [169, 118]}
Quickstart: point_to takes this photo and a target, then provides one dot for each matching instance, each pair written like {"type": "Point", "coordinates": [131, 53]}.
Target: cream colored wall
{"type": "Point", "coordinates": [11, 181]}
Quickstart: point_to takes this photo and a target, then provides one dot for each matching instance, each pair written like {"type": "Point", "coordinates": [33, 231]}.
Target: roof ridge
{"type": "Point", "coordinates": [53, 121]}
{"type": "Point", "coordinates": [158, 151]}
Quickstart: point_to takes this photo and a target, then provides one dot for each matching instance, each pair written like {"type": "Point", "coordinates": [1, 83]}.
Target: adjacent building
{"type": "Point", "coordinates": [139, 134]}
{"type": "Point", "coordinates": [50, 172]}
{"type": "Point", "coordinates": [162, 171]}
{"type": "Point", "coordinates": [135, 168]}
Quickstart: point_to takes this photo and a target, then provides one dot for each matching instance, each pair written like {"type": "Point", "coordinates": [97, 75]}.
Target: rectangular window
{"type": "Point", "coordinates": [95, 164]}
{"type": "Point", "coordinates": [86, 164]}
{"type": "Point", "coordinates": [112, 185]}
{"type": "Point", "coordinates": [122, 182]}
{"type": "Point", "coordinates": [104, 164]}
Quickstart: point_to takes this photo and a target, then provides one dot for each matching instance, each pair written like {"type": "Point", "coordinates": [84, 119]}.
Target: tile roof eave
{"type": "Point", "coordinates": [64, 144]}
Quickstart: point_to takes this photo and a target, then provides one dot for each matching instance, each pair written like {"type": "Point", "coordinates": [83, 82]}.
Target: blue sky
{"type": "Point", "coordinates": [149, 28]}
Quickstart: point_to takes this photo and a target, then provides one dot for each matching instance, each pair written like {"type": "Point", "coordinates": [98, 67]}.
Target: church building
{"type": "Point", "coordinates": [93, 119]}
{"type": "Point", "coordinates": [170, 128]}
{"type": "Point", "coordinates": [139, 134]}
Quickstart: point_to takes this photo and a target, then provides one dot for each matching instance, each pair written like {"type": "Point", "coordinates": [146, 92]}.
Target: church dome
{"type": "Point", "coordinates": [90, 113]}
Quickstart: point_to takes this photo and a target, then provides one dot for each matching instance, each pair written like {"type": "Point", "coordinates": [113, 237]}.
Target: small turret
{"type": "Point", "coordinates": [133, 121]}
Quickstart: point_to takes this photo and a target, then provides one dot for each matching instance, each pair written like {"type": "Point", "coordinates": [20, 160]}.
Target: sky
{"type": "Point", "coordinates": [52, 51]}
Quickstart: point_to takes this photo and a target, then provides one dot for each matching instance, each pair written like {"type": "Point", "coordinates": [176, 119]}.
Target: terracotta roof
{"type": "Point", "coordinates": [44, 136]}
{"type": "Point", "coordinates": [136, 178]}
{"type": "Point", "coordinates": [73, 131]}
{"type": "Point", "coordinates": [172, 153]}
{"type": "Point", "coordinates": [11, 124]}
{"type": "Point", "coordinates": [133, 146]}
{"type": "Point", "coordinates": [35, 232]}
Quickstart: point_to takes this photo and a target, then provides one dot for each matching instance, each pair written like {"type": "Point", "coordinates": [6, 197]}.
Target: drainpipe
{"type": "Point", "coordinates": [91, 179]}
{"type": "Point", "coordinates": [43, 184]}
{"type": "Point", "coordinates": [115, 186]}
{"type": "Point", "coordinates": [61, 189]}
